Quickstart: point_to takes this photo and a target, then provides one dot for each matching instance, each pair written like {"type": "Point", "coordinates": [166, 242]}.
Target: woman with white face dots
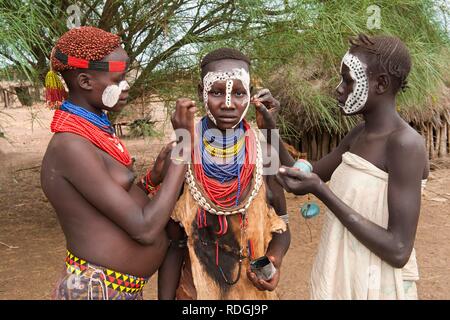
{"type": "Point", "coordinates": [375, 179]}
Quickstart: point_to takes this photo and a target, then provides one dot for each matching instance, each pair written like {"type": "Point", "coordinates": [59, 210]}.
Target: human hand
{"type": "Point", "coordinates": [267, 108]}
{"type": "Point", "coordinates": [161, 164]}
{"type": "Point", "coordinates": [183, 117]}
{"type": "Point", "coordinates": [265, 285]}
{"type": "Point", "coordinates": [299, 182]}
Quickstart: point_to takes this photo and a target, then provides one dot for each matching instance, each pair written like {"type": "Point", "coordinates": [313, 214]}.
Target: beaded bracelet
{"type": "Point", "coordinates": [148, 185]}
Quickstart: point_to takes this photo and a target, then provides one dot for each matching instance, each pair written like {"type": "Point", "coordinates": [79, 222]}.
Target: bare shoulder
{"type": "Point", "coordinates": [407, 146]}
{"type": "Point", "coordinates": [65, 144]}
{"type": "Point", "coordinates": [406, 140]}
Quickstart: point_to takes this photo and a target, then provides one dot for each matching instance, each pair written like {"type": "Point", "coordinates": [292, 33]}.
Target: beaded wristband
{"type": "Point", "coordinates": [149, 186]}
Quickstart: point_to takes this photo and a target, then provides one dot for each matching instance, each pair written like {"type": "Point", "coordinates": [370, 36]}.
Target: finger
{"type": "Point", "coordinates": [185, 104]}
{"type": "Point", "coordinates": [261, 93]}
{"type": "Point", "coordinates": [191, 105]}
{"type": "Point", "coordinates": [293, 173]}
{"type": "Point", "coordinates": [192, 110]}
{"type": "Point", "coordinates": [274, 281]}
{"type": "Point", "coordinates": [264, 112]}
{"type": "Point", "coordinates": [274, 261]}
{"type": "Point", "coordinates": [280, 178]}
{"type": "Point", "coordinates": [254, 279]}
{"type": "Point", "coordinates": [274, 110]}
{"type": "Point", "coordinates": [166, 150]}
{"type": "Point", "coordinates": [267, 285]}
{"type": "Point", "coordinates": [265, 98]}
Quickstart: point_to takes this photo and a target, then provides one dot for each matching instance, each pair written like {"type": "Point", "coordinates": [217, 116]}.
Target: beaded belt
{"type": "Point", "coordinates": [115, 280]}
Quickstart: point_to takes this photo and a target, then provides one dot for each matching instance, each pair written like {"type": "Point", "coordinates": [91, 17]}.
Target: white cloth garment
{"type": "Point", "coordinates": [344, 268]}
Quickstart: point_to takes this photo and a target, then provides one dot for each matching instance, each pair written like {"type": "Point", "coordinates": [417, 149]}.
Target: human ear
{"type": "Point", "coordinates": [84, 81]}
{"type": "Point", "coordinates": [383, 83]}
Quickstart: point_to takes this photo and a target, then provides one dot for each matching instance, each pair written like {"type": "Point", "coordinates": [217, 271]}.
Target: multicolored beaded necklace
{"type": "Point", "coordinates": [224, 182]}
{"type": "Point", "coordinates": [97, 129]}
{"type": "Point", "coordinates": [100, 121]}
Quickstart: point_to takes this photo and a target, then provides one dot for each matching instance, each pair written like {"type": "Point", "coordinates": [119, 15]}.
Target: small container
{"type": "Point", "coordinates": [303, 165]}
{"type": "Point", "coordinates": [309, 210]}
{"type": "Point", "coordinates": [263, 268]}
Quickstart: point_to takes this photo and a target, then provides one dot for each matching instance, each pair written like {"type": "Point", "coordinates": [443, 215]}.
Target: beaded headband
{"type": "Point", "coordinates": [109, 66]}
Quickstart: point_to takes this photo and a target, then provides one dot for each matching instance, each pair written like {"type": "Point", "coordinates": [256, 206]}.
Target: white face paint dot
{"type": "Point", "coordinates": [229, 89]}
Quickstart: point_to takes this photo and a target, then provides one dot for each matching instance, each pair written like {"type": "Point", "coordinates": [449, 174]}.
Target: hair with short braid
{"type": "Point", "coordinates": [392, 55]}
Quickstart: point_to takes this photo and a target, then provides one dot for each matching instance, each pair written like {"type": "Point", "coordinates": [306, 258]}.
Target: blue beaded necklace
{"type": "Point", "coordinates": [228, 171]}
{"type": "Point", "coordinates": [100, 121]}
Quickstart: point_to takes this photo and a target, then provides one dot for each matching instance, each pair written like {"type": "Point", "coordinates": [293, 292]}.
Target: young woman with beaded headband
{"type": "Point", "coordinates": [376, 174]}
{"type": "Point", "coordinates": [223, 220]}
{"type": "Point", "coordinates": [115, 234]}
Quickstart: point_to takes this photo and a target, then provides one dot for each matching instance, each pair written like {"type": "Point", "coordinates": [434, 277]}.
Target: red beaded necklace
{"type": "Point", "coordinates": [220, 193]}
{"type": "Point", "coordinates": [67, 122]}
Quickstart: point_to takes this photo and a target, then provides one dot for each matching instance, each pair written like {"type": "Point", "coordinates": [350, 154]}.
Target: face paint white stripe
{"type": "Point", "coordinates": [229, 89]}
{"type": "Point", "coordinates": [235, 74]}
{"type": "Point", "coordinates": [342, 80]}
{"type": "Point", "coordinates": [357, 99]}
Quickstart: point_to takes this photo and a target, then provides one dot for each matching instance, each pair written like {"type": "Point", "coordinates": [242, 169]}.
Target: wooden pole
{"type": "Point", "coordinates": [333, 143]}
{"type": "Point", "coordinates": [437, 142]}
{"type": "Point", "coordinates": [319, 145]}
{"type": "Point", "coordinates": [443, 140]}
{"type": "Point", "coordinates": [325, 143]}
{"type": "Point", "coordinates": [6, 97]}
{"type": "Point", "coordinates": [313, 146]}
{"type": "Point", "coordinates": [448, 136]}
{"type": "Point", "coordinates": [430, 141]}
{"type": "Point", "coordinates": [304, 144]}
{"type": "Point", "coordinates": [308, 146]}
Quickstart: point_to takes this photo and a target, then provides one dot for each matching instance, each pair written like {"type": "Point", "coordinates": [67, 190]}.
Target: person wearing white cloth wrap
{"type": "Point", "coordinates": [375, 175]}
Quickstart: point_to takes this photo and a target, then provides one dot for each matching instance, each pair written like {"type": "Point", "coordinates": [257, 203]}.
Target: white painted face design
{"type": "Point", "coordinates": [235, 74]}
{"type": "Point", "coordinates": [357, 99]}
{"type": "Point", "coordinates": [111, 94]}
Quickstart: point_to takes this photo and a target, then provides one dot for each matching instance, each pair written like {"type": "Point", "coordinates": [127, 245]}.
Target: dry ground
{"type": "Point", "coordinates": [32, 245]}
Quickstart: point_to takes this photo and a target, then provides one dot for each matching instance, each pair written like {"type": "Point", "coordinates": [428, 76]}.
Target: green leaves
{"type": "Point", "coordinates": [25, 27]}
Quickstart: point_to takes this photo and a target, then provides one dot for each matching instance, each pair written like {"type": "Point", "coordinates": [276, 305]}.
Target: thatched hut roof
{"type": "Point", "coordinates": [306, 93]}
{"type": "Point", "coordinates": [301, 65]}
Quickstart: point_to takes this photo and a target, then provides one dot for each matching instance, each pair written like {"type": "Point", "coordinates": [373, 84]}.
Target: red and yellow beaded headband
{"type": "Point", "coordinates": [109, 66]}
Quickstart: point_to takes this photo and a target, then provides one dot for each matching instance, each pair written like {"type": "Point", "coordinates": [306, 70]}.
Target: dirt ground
{"type": "Point", "coordinates": [32, 246]}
